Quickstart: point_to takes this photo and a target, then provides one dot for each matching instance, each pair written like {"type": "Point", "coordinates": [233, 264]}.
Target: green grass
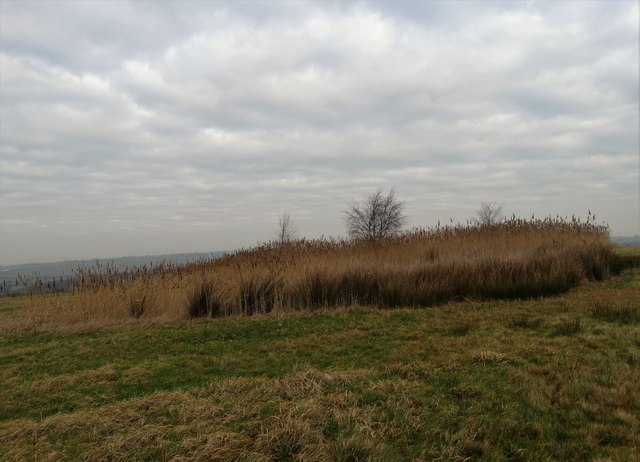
{"type": "Point", "coordinates": [544, 379]}
{"type": "Point", "coordinates": [627, 257]}
{"type": "Point", "coordinates": [624, 313]}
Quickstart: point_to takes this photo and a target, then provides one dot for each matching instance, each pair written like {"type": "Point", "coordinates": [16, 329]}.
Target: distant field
{"type": "Point", "coordinates": [552, 378]}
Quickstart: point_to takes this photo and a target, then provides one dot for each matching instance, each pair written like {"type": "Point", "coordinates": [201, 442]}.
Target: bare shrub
{"type": "Point", "coordinates": [379, 215]}
{"type": "Point", "coordinates": [489, 213]}
{"type": "Point", "coordinates": [287, 230]}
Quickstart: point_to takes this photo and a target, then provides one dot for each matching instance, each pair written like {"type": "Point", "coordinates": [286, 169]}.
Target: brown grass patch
{"type": "Point", "coordinates": [302, 384]}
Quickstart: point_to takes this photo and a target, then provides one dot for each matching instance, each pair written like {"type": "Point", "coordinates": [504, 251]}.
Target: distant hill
{"type": "Point", "coordinates": [633, 241]}
{"type": "Point", "coordinates": [10, 275]}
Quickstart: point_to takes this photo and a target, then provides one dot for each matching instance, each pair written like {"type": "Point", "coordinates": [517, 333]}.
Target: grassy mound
{"type": "Point", "coordinates": [512, 259]}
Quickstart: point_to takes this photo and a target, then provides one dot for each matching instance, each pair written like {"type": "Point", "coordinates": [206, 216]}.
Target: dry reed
{"type": "Point", "coordinates": [516, 258]}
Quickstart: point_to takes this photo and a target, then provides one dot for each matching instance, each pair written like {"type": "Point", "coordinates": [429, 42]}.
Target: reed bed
{"type": "Point", "coordinates": [515, 258]}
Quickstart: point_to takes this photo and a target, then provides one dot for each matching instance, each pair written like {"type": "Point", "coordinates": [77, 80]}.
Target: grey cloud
{"type": "Point", "coordinates": [142, 127]}
{"type": "Point", "coordinates": [90, 36]}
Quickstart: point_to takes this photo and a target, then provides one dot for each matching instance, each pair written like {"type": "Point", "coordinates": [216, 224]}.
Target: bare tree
{"type": "Point", "coordinates": [378, 215]}
{"type": "Point", "coordinates": [287, 230]}
{"type": "Point", "coordinates": [488, 213]}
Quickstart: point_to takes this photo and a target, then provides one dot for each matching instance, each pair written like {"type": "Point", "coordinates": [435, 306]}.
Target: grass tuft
{"type": "Point", "coordinates": [288, 437]}
{"type": "Point", "coordinates": [616, 312]}
{"type": "Point", "coordinates": [568, 327]}
{"type": "Point", "coordinates": [258, 295]}
{"type": "Point", "coordinates": [460, 330]}
{"type": "Point", "coordinates": [358, 448]}
{"type": "Point", "coordinates": [202, 302]}
{"type": "Point", "coordinates": [488, 357]}
{"type": "Point", "coordinates": [525, 322]}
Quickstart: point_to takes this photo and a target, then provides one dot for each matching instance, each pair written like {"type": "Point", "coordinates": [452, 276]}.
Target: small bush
{"type": "Point", "coordinates": [623, 314]}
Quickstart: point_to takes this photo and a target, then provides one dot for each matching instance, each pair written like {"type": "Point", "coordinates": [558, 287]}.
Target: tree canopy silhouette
{"type": "Point", "coordinates": [378, 215]}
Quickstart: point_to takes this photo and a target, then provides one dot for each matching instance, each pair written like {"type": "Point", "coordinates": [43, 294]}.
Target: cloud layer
{"type": "Point", "coordinates": [136, 127]}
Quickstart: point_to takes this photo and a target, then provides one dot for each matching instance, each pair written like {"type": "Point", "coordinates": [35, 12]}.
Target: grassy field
{"type": "Point", "coordinates": [553, 378]}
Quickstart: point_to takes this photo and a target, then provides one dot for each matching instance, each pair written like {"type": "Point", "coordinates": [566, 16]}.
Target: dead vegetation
{"type": "Point", "coordinates": [512, 259]}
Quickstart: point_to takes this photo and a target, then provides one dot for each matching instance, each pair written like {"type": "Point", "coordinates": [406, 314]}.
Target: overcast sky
{"type": "Point", "coordinates": [140, 127]}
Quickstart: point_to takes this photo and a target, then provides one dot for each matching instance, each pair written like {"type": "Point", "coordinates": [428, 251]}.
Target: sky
{"type": "Point", "coordinates": [140, 127]}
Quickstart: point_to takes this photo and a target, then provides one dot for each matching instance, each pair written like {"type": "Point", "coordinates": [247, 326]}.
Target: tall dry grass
{"type": "Point", "coordinates": [514, 258]}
